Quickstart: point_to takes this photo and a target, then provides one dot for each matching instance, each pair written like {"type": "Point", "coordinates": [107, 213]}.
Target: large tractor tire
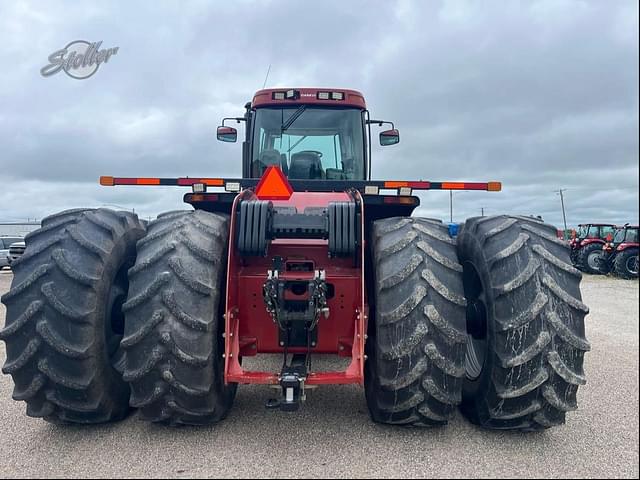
{"type": "Point", "coordinates": [626, 263]}
{"type": "Point", "coordinates": [525, 320]}
{"type": "Point", "coordinates": [174, 320]}
{"type": "Point", "coordinates": [589, 258]}
{"type": "Point", "coordinates": [64, 316]}
{"type": "Point", "coordinates": [416, 345]}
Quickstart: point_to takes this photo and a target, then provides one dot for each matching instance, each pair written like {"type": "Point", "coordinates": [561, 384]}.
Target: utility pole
{"type": "Point", "coordinates": [451, 203]}
{"type": "Point", "coordinates": [482, 211]}
{"type": "Point", "coordinates": [564, 216]}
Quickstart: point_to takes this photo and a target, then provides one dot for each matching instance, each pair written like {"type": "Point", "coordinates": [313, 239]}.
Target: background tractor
{"type": "Point", "coordinates": [586, 246]}
{"type": "Point", "coordinates": [304, 256]}
{"type": "Point", "coordinates": [620, 256]}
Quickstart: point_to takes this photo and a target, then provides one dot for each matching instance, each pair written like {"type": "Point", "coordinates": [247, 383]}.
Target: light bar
{"type": "Point", "coordinates": [277, 95]}
{"type": "Point", "coordinates": [199, 188]}
{"type": "Point", "coordinates": [417, 185]}
{"type": "Point", "coordinates": [109, 181]}
{"type": "Point", "coordinates": [491, 186]}
{"type": "Point", "coordinates": [404, 188]}
{"type": "Point", "coordinates": [232, 186]}
{"type": "Point", "coordinates": [323, 95]}
{"type": "Point", "coordinates": [452, 186]}
{"type": "Point", "coordinates": [337, 96]}
{"type": "Point", "coordinates": [212, 182]}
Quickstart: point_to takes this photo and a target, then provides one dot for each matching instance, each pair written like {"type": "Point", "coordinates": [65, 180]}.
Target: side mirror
{"type": "Point", "coordinates": [389, 137]}
{"type": "Point", "coordinates": [227, 134]}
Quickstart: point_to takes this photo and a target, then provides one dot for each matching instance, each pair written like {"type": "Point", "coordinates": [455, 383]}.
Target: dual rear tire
{"type": "Point", "coordinates": [173, 321]}
{"type": "Point", "coordinates": [78, 353]}
{"type": "Point", "coordinates": [493, 322]}
{"type": "Point", "coordinates": [64, 316]}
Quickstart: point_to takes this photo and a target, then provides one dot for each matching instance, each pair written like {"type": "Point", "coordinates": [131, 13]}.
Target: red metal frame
{"type": "Point", "coordinates": [251, 331]}
{"type": "Point", "coordinates": [309, 96]}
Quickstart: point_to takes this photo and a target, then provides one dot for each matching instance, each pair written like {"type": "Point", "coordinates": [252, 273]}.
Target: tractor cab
{"type": "Point", "coordinates": [309, 134]}
{"type": "Point", "coordinates": [626, 234]}
{"type": "Point", "coordinates": [595, 231]}
{"type": "Point", "coordinates": [620, 255]}
{"type": "Point", "coordinates": [586, 246]}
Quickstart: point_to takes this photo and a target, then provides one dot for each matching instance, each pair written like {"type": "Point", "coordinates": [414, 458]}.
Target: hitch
{"type": "Point", "coordinates": [297, 321]}
{"type": "Point", "coordinates": [292, 378]}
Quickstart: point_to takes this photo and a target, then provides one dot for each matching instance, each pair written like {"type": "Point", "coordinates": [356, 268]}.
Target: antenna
{"type": "Point", "coordinates": [564, 216]}
{"type": "Point", "coordinates": [266, 76]}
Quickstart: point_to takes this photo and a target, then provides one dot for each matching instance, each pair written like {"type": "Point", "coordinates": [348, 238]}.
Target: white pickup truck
{"type": "Point", "coordinates": [5, 244]}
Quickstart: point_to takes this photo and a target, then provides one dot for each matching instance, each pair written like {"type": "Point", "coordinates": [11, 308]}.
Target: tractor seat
{"type": "Point", "coordinates": [306, 165]}
{"type": "Point", "coordinates": [267, 158]}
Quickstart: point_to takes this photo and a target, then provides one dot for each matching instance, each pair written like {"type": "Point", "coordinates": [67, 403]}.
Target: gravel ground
{"type": "Point", "coordinates": [333, 437]}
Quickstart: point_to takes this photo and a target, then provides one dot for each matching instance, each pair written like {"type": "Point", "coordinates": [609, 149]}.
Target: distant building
{"type": "Point", "coordinates": [19, 229]}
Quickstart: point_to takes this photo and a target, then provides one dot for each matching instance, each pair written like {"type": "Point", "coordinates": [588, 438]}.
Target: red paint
{"type": "Point", "coordinates": [212, 182]}
{"type": "Point", "coordinates": [400, 183]}
{"type": "Point", "coordinates": [308, 96]}
{"type": "Point", "coordinates": [625, 245]}
{"type": "Point", "coordinates": [250, 329]}
{"type": "Point", "coordinates": [588, 241]}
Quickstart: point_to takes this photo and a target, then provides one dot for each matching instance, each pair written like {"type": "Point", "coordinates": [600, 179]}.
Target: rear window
{"type": "Point", "coordinates": [606, 231]}
{"type": "Point", "coordinates": [6, 242]}
{"type": "Point", "coordinates": [594, 232]}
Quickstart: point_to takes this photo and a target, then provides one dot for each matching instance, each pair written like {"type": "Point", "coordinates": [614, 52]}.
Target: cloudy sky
{"type": "Point", "coordinates": [540, 95]}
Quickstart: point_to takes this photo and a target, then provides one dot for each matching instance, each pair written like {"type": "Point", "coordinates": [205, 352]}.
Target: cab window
{"type": "Point", "coordinates": [309, 143]}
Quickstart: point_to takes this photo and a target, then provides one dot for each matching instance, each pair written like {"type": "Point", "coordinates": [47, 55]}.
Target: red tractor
{"type": "Point", "coordinates": [303, 257]}
{"type": "Point", "coordinates": [586, 246]}
{"type": "Point", "coordinates": [620, 256]}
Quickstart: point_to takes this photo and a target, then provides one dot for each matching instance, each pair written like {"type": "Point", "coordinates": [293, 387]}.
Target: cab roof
{"type": "Point", "coordinates": [335, 97]}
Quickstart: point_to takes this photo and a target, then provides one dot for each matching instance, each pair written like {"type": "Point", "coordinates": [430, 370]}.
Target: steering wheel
{"type": "Point", "coordinates": [312, 151]}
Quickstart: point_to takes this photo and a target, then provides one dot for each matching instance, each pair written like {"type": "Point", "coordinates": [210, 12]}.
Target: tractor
{"type": "Point", "coordinates": [620, 256]}
{"type": "Point", "coordinates": [586, 246]}
{"type": "Point", "coordinates": [304, 257]}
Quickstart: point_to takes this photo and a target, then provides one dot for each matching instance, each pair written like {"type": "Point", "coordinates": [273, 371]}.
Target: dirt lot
{"type": "Point", "coordinates": [333, 436]}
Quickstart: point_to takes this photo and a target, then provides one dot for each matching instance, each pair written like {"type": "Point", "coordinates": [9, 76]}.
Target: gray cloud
{"type": "Point", "coordinates": [540, 95]}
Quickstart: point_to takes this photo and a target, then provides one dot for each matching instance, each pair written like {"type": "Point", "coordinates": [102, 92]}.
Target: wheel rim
{"type": "Point", "coordinates": [593, 260]}
{"type": "Point", "coordinates": [476, 351]}
{"type": "Point", "coordinates": [632, 265]}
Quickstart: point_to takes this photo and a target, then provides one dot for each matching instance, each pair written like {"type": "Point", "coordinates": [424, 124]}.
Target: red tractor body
{"type": "Point", "coordinates": [620, 255]}
{"type": "Point", "coordinates": [303, 256]}
{"type": "Point", "coordinates": [586, 246]}
{"type": "Point", "coordinates": [252, 330]}
{"type": "Point", "coordinates": [301, 250]}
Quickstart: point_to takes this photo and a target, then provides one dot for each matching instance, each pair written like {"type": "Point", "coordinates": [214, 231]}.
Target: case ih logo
{"type": "Point", "coordinates": [79, 59]}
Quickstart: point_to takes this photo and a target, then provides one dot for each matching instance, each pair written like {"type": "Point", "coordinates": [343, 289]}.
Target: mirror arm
{"type": "Point", "coordinates": [380, 123]}
{"type": "Point", "coordinates": [237, 119]}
